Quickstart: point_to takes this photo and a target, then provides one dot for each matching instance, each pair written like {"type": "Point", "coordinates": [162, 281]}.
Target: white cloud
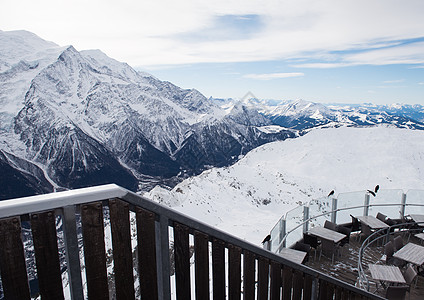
{"type": "Point", "coordinates": [394, 81]}
{"type": "Point", "coordinates": [270, 76]}
{"type": "Point", "coordinates": [149, 32]}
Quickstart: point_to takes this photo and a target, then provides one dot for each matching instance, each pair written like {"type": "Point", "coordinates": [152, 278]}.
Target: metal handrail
{"type": "Point", "coordinates": [283, 240]}
{"type": "Point", "coordinates": [370, 240]}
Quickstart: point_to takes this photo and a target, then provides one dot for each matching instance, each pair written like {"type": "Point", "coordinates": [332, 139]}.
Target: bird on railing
{"type": "Point", "coordinates": [371, 192]}
{"type": "Point", "coordinates": [266, 239]}
{"type": "Point", "coordinates": [331, 193]}
{"type": "Point", "coordinates": [377, 187]}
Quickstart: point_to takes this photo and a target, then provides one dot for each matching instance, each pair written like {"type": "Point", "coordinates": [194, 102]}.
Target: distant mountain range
{"type": "Point", "coordinates": [304, 115]}
{"type": "Point", "coordinates": [71, 119]}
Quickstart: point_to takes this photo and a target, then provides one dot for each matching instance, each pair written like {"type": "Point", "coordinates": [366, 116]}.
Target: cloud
{"type": "Point", "coordinates": [161, 32]}
{"type": "Point", "coordinates": [400, 52]}
{"type": "Point", "coordinates": [270, 76]}
{"type": "Point", "coordinates": [394, 81]}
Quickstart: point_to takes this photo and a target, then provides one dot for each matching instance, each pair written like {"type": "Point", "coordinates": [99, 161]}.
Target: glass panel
{"type": "Point", "coordinates": [317, 208]}
{"type": "Point", "coordinates": [415, 202]}
{"type": "Point", "coordinates": [354, 201]}
{"type": "Point", "coordinates": [275, 236]}
{"type": "Point", "coordinates": [387, 202]}
{"type": "Point", "coordinates": [294, 218]}
{"type": "Point", "coordinates": [294, 236]}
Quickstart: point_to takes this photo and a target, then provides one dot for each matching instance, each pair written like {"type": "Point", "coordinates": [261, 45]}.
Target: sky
{"type": "Point", "coordinates": [344, 51]}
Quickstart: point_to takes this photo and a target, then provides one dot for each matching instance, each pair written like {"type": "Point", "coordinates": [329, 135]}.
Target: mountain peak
{"type": "Point", "coordinates": [21, 44]}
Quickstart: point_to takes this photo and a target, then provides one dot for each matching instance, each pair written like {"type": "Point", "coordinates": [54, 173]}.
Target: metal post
{"type": "Point", "coordinates": [366, 204]}
{"type": "Point", "coordinates": [163, 262]}
{"type": "Point", "coordinates": [334, 210]}
{"type": "Point", "coordinates": [72, 252]}
{"type": "Point", "coordinates": [267, 245]}
{"type": "Point", "coordinates": [283, 228]}
{"type": "Point", "coordinates": [305, 218]}
{"type": "Point", "coordinates": [403, 206]}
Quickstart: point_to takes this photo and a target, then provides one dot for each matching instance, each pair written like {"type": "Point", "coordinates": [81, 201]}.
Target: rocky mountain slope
{"type": "Point", "coordinates": [85, 119]}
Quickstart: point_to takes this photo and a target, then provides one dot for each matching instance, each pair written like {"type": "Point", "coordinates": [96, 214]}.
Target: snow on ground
{"type": "Point", "coordinates": [248, 198]}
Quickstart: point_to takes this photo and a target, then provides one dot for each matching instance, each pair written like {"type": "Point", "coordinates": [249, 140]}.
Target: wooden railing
{"type": "Point", "coordinates": [144, 264]}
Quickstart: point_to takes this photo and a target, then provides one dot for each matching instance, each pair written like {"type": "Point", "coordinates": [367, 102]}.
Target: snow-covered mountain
{"type": "Point", "coordinates": [304, 115]}
{"type": "Point", "coordinates": [247, 198]}
{"type": "Point", "coordinates": [82, 118]}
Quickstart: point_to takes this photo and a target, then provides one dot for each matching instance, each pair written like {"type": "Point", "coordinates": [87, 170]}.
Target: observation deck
{"type": "Point", "coordinates": [400, 212]}
{"type": "Point", "coordinates": [106, 242]}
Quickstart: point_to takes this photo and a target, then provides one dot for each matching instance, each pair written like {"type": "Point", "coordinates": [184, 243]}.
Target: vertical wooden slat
{"type": "Point", "coordinates": [163, 258]}
{"type": "Point", "coordinates": [297, 285]}
{"type": "Point", "coordinates": [307, 286]}
{"type": "Point", "coordinates": [147, 254]}
{"type": "Point", "coordinates": [326, 290]}
{"type": "Point", "coordinates": [248, 275]}
{"type": "Point", "coordinates": [322, 293]}
{"type": "Point", "coordinates": [218, 269]}
{"type": "Point", "coordinates": [94, 251]}
{"type": "Point", "coordinates": [263, 278]}
{"type": "Point", "coordinates": [12, 260]}
{"type": "Point", "coordinates": [330, 291]}
{"type": "Point", "coordinates": [338, 293]}
{"type": "Point", "coordinates": [234, 270]}
{"type": "Point", "coordinates": [43, 226]}
{"type": "Point", "coordinates": [275, 281]}
{"type": "Point", "coordinates": [122, 254]}
{"type": "Point", "coordinates": [73, 263]}
{"type": "Point", "coordinates": [182, 261]}
{"type": "Point", "coordinates": [287, 282]}
{"type": "Point", "coordinates": [201, 255]}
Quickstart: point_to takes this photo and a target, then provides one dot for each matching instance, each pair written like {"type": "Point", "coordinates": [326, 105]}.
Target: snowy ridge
{"type": "Point", "coordinates": [248, 198]}
{"type": "Point", "coordinates": [302, 115]}
{"type": "Point", "coordinates": [86, 118]}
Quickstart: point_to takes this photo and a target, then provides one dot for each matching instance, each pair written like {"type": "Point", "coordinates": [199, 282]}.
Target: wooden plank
{"type": "Point", "coordinates": [263, 278]}
{"type": "Point", "coordinates": [73, 263]}
{"type": "Point", "coordinates": [338, 293]}
{"type": "Point", "coordinates": [297, 285]}
{"type": "Point", "coordinates": [218, 269]}
{"type": "Point", "coordinates": [248, 275]}
{"type": "Point", "coordinates": [307, 286]}
{"type": "Point", "coordinates": [146, 250]}
{"type": "Point", "coordinates": [234, 270]}
{"type": "Point", "coordinates": [182, 261]}
{"type": "Point", "coordinates": [276, 282]}
{"type": "Point", "coordinates": [43, 226]}
{"type": "Point", "coordinates": [201, 255]}
{"type": "Point", "coordinates": [326, 290]}
{"type": "Point", "coordinates": [121, 244]}
{"type": "Point", "coordinates": [330, 291]}
{"type": "Point", "coordinates": [287, 282]}
{"type": "Point", "coordinates": [94, 250]}
{"type": "Point", "coordinates": [12, 260]}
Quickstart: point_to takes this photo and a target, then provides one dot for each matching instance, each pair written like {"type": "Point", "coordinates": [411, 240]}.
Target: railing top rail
{"type": "Point", "coordinates": [25, 205]}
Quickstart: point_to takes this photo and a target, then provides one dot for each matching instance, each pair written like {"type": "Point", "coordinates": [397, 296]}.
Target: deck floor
{"type": "Point", "coordinates": [345, 266]}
